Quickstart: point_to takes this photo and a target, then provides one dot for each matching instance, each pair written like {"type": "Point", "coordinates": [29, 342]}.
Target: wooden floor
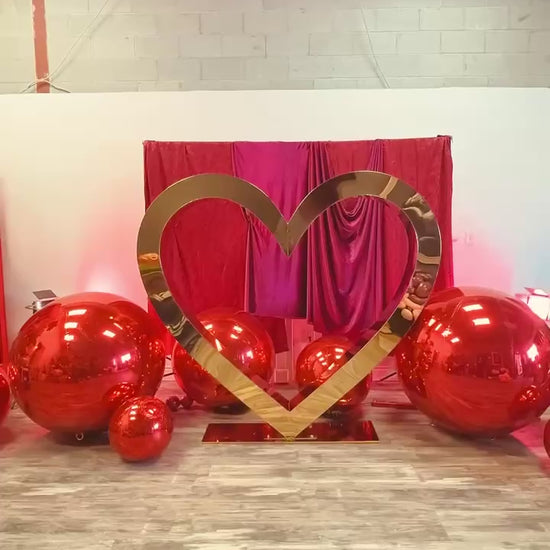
{"type": "Point", "coordinates": [418, 488]}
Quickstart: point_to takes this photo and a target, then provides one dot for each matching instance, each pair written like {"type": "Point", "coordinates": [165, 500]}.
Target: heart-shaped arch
{"type": "Point", "coordinates": [191, 334]}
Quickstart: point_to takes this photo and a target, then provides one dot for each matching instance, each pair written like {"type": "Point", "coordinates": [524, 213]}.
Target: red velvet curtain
{"type": "Point", "coordinates": [204, 245]}
{"type": "Point", "coordinates": [425, 164]}
{"type": "Point", "coordinates": [355, 297]}
{"type": "Point", "coordinates": [276, 283]}
{"type": "Point", "coordinates": [216, 254]}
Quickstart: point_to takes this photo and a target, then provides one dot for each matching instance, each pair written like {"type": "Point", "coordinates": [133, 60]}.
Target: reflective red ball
{"type": "Point", "coordinates": [477, 362]}
{"type": "Point", "coordinates": [118, 394]}
{"type": "Point", "coordinates": [242, 339]}
{"type": "Point", "coordinates": [141, 429]}
{"type": "Point", "coordinates": [546, 438]}
{"type": "Point", "coordinates": [319, 360]}
{"type": "Point", "coordinates": [4, 397]}
{"type": "Point", "coordinates": [75, 360]}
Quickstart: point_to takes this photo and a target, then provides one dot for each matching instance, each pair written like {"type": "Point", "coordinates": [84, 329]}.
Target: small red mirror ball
{"type": "Point", "coordinates": [141, 429]}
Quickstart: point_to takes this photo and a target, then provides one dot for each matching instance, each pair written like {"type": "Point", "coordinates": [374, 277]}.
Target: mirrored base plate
{"type": "Point", "coordinates": [393, 405]}
{"type": "Point", "coordinates": [345, 432]}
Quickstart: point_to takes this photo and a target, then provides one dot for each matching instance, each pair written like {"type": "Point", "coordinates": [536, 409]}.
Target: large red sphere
{"type": "Point", "coordinates": [547, 438]}
{"type": "Point", "coordinates": [319, 360]}
{"type": "Point", "coordinates": [477, 362]}
{"type": "Point", "coordinates": [243, 340]}
{"type": "Point", "coordinates": [71, 361]}
{"type": "Point", "coordinates": [141, 429]}
{"type": "Point", "coordinates": [4, 397]}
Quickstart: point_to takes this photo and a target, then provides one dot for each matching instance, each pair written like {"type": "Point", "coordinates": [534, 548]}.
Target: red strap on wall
{"type": "Point", "coordinates": [41, 63]}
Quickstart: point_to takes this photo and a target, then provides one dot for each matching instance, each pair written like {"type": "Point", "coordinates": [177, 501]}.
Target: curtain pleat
{"type": "Point", "coordinates": [346, 263]}
{"type": "Point", "coordinates": [276, 283]}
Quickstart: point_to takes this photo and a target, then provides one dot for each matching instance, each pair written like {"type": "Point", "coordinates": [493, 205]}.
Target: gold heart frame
{"type": "Point", "coordinates": [191, 335]}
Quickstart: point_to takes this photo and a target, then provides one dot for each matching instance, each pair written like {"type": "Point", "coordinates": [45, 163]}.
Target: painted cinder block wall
{"type": "Point", "coordinates": [143, 45]}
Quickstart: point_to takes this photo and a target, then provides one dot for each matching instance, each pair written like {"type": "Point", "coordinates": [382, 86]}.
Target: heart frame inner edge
{"type": "Point", "coordinates": [190, 333]}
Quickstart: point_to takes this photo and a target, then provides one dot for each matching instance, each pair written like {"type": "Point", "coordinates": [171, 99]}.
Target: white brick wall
{"type": "Point", "coordinates": [462, 41]}
{"type": "Point", "coordinates": [442, 18]}
{"type": "Point", "coordinates": [393, 19]}
{"type": "Point", "coordinates": [487, 18]}
{"type": "Point", "coordinates": [507, 41]}
{"type": "Point", "coordinates": [221, 23]}
{"type": "Point", "coordinates": [288, 44]}
{"type": "Point", "coordinates": [243, 45]}
{"type": "Point", "coordinates": [178, 69]}
{"type": "Point", "coordinates": [266, 22]}
{"type": "Point", "coordinates": [246, 44]}
{"type": "Point", "coordinates": [419, 42]}
{"type": "Point", "coordinates": [16, 46]}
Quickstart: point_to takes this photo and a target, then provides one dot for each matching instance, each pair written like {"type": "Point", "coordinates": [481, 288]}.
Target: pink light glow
{"type": "Point", "coordinates": [480, 260]}
{"type": "Point", "coordinates": [482, 321]}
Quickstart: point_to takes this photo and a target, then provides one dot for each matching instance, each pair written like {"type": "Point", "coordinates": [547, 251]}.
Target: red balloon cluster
{"type": "Point", "coordinates": [238, 336]}
{"type": "Point", "coordinates": [141, 429]}
{"type": "Point", "coordinates": [319, 360]}
{"type": "Point", "coordinates": [80, 357]}
{"type": "Point", "coordinates": [4, 397]}
{"type": "Point", "coordinates": [477, 362]}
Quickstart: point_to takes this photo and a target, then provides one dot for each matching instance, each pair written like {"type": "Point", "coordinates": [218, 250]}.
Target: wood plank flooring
{"type": "Point", "coordinates": [418, 488]}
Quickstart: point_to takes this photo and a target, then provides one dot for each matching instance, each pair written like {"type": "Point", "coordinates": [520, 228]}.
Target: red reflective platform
{"type": "Point", "coordinates": [255, 432]}
{"type": "Point", "coordinates": [393, 405]}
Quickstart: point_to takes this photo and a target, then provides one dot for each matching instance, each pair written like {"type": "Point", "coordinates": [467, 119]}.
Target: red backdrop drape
{"type": "Point", "coordinates": [276, 284]}
{"type": "Point", "coordinates": [214, 253]}
{"type": "Point", "coordinates": [348, 242]}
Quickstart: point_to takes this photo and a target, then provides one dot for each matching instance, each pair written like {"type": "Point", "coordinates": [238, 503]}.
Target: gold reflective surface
{"type": "Point", "coordinates": [190, 333]}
